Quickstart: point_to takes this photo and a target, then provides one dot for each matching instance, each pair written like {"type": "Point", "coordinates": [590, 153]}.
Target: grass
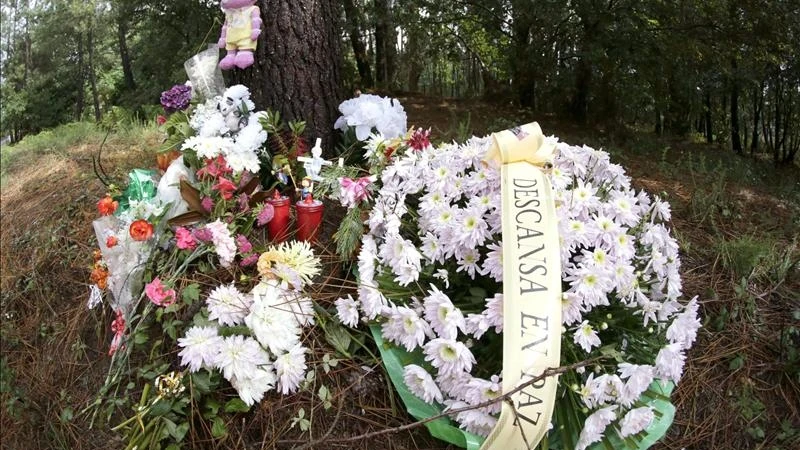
{"type": "Point", "coordinates": [736, 220]}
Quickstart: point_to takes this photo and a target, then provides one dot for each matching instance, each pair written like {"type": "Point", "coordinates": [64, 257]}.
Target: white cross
{"type": "Point", "coordinates": [314, 164]}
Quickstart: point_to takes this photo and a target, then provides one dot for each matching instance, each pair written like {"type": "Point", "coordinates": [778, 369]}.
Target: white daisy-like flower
{"type": "Point", "coordinates": [448, 355]}
{"type": "Point", "coordinates": [480, 390]}
{"type": "Point", "coordinates": [669, 362]}
{"type": "Point", "coordinates": [291, 368]}
{"type": "Point", "coordinates": [636, 421]}
{"type": "Point", "coordinates": [443, 316]}
{"type": "Point", "coordinates": [595, 425]}
{"type": "Point", "coordinates": [252, 389]}
{"type": "Point", "coordinates": [421, 384]}
{"type": "Point", "coordinates": [405, 327]}
{"type": "Point", "coordinates": [475, 421]}
{"type": "Point", "coordinates": [200, 345]}
{"type": "Point", "coordinates": [272, 322]}
{"type": "Point", "coordinates": [347, 310]}
{"type": "Point", "coordinates": [240, 357]}
{"type": "Point", "coordinates": [638, 380]}
{"type": "Point", "coordinates": [586, 337]}
{"type": "Point", "coordinates": [227, 305]}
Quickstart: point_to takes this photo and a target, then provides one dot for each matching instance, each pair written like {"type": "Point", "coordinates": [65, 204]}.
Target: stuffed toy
{"type": "Point", "coordinates": [239, 33]}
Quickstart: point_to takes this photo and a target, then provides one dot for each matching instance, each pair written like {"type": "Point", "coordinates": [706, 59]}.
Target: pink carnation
{"type": "Point", "coordinates": [158, 294]}
{"type": "Point", "coordinates": [265, 215]}
{"type": "Point", "coordinates": [185, 239]}
{"type": "Point", "coordinates": [244, 245]}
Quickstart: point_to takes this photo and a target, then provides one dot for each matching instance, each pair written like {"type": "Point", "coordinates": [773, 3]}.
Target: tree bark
{"type": "Point", "coordinates": [359, 49]}
{"type": "Point", "coordinates": [79, 102]}
{"type": "Point", "coordinates": [127, 69]}
{"type": "Point", "coordinates": [385, 39]}
{"type": "Point", "coordinates": [93, 76]}
{"type": "Point", "coordinates": [709, 124]}
{"type": "Point", "coordinates": [297, 65]}
{"type": "Point", "coordinates": [736, 140]}
{"type": "Point", "coordinates": [758, 104]}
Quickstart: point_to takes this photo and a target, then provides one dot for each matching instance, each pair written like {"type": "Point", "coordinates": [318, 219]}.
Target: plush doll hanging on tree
{"type": "Point", "coordinates": [239, 33]}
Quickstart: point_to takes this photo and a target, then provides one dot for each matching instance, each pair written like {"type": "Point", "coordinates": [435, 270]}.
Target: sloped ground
{"type": "Point", "coordinates": [736, 220]}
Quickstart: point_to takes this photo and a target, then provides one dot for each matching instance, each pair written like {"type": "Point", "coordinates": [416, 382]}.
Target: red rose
{"type": "Point", "coordinates": [106, 206]}
{"type": "Point", "coordinates": [111, 241]}
{"type": "Point", "coordinates": [161, 120]}
{"type": "Point", "coordinates": [141, 230]}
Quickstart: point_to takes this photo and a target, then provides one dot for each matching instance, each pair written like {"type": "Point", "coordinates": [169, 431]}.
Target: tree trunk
{"type": "Point", "coordinates": [93, 76]}
{"type": "Point", "coordinates": [359, 49]}
{"type": "Point", "coordinates": [758, 103]}
{"type": "Point", "coordinates": [385, 39]}
{"type": "Point", "coordinates": [736, 140]}
{"type": "Point", "coordinates": [297, 62]}
{"type": "Point", "coordinates": [79, 102]}
{"type": "Point", "coordinates": [127, 70]}
{"type": "Point", "coordinates": [709, 125]}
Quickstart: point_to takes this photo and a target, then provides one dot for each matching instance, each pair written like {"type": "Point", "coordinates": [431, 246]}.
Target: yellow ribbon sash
{"type": "Point", "coordinates": [531, 287]}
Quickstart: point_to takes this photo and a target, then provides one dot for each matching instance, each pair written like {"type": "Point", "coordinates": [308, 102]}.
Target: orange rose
{"type": "Point", "coordinates": [106, 206]}
{"type": "Point", "coordinates": [141, 230]}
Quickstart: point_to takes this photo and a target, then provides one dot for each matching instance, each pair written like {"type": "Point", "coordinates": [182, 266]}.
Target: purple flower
{"type": "Point", "coordinates": [265, 215]}
{"type": "Point", "coordinates": [244, 245]}
{"type": "Point", "coordinates": [250, 260]}
{"type": "Point", "coordinates": [177, 98]}
{"type": "Point", "coordinates": [203, 235]}
{"type": "Point", "coordinates": [244, 202]}
{"type": "Point", "coordinates": [207, 204]}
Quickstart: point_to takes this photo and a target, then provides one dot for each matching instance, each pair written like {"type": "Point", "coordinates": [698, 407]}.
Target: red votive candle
{"type": "Point", "coordinates": [309, 218]}
{"type": "Point", "coordinates": [278, 227]}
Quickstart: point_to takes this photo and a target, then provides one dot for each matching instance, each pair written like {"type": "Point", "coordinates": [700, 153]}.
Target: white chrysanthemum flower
{"type": "Point", "coordinates": [475, 421]}
{"type": "Point", "coordinates": [252, 389]}
{"type": "Point", "coordinates": [595, 425]}
{"type": "Point", "coordinates": [449, 356]}
{"type": "Point", "coordinates": [368, 111]}
{"type": "Point", "coordinates": [493, 264]}
{"type": "Point", "coordinates": [669, 362]}
{"type": "Point", "coordinates": [421, 384]}
{"type": "Point", "coordinates": [636, 421]}
{"type": "Point", "coordinates": [443, 316]}
{"type": "Point", "coordinates": [227, 305]}
{"type": "Point", "coordinates": [347, 310]}
{"type": "Point", "coordinates": [291, 368]}
{"type": "Point", "coordinates": [240, 357]}
{"type": "Point", "coordinates": [684, 328]}
{"type": "Point", "coordinates": [405, 327]}
{"type": "Point", "coordinates": [271, 320]}
{"type": "Point", "coordinates": [638, 380]}
{"type": "Point", "coordinates": [480, 390]}
{"type": "Point", "coordinates": [201, 345]}
{"type": "Point", "coordinates": [586, 337]}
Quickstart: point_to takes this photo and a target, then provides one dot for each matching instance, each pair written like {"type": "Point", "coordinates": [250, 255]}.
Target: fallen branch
{"type": "Point", "coordinates": [505, 397]}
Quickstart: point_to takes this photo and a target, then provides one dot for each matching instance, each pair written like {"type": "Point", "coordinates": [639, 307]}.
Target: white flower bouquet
{"type": "Point", "coordinates": [431, 276]}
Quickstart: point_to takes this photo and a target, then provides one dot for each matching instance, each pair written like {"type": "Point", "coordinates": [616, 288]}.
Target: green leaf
{"type": "Point", "coordinates": [191, 293]}
{"type": "Point", "coordinates": [160, 408]}
{"type": "Point", "coordinates": [211, 408]}
{"type": "Point", "coordinates": [236, 405]}
{"type": "Point", "coordinates": [339, 338]}
{"type": "Point", "coordinates": [218, 428]}
{"type": "Point", "coordinates": [394, 359]}
{"type": "Point", "coordinates": [66, 415]}
{"type": "Point", "coordinates": [201, 382]}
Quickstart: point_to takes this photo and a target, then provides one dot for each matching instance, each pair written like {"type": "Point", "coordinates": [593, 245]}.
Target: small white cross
{"type": "Point", "coordinates": [314, 164]}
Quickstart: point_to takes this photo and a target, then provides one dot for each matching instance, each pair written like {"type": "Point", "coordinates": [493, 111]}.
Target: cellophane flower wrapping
{"type": "Point", "coordinates": [430, 275]}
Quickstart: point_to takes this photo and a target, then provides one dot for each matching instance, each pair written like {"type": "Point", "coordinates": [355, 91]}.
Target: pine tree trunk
{"type": "Point", "coordinates": [758, 104]}
{"type": "Point", "coordinates": [359, 49]}
{"type": "Point", "coordinates": [297, 62]}
{"type": "Point", "coordinates": [709, 124]}
{"type": "Point", "coordinates": [127, 70]}
{"type": "Point", "coordinates": [736, 141]}
{"type": "Point", "coordinates": [385, 39]}
{"type": "Point", "coordinates": [79, 102]}
{"type": "Point", "coordinates": [93, 76]}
